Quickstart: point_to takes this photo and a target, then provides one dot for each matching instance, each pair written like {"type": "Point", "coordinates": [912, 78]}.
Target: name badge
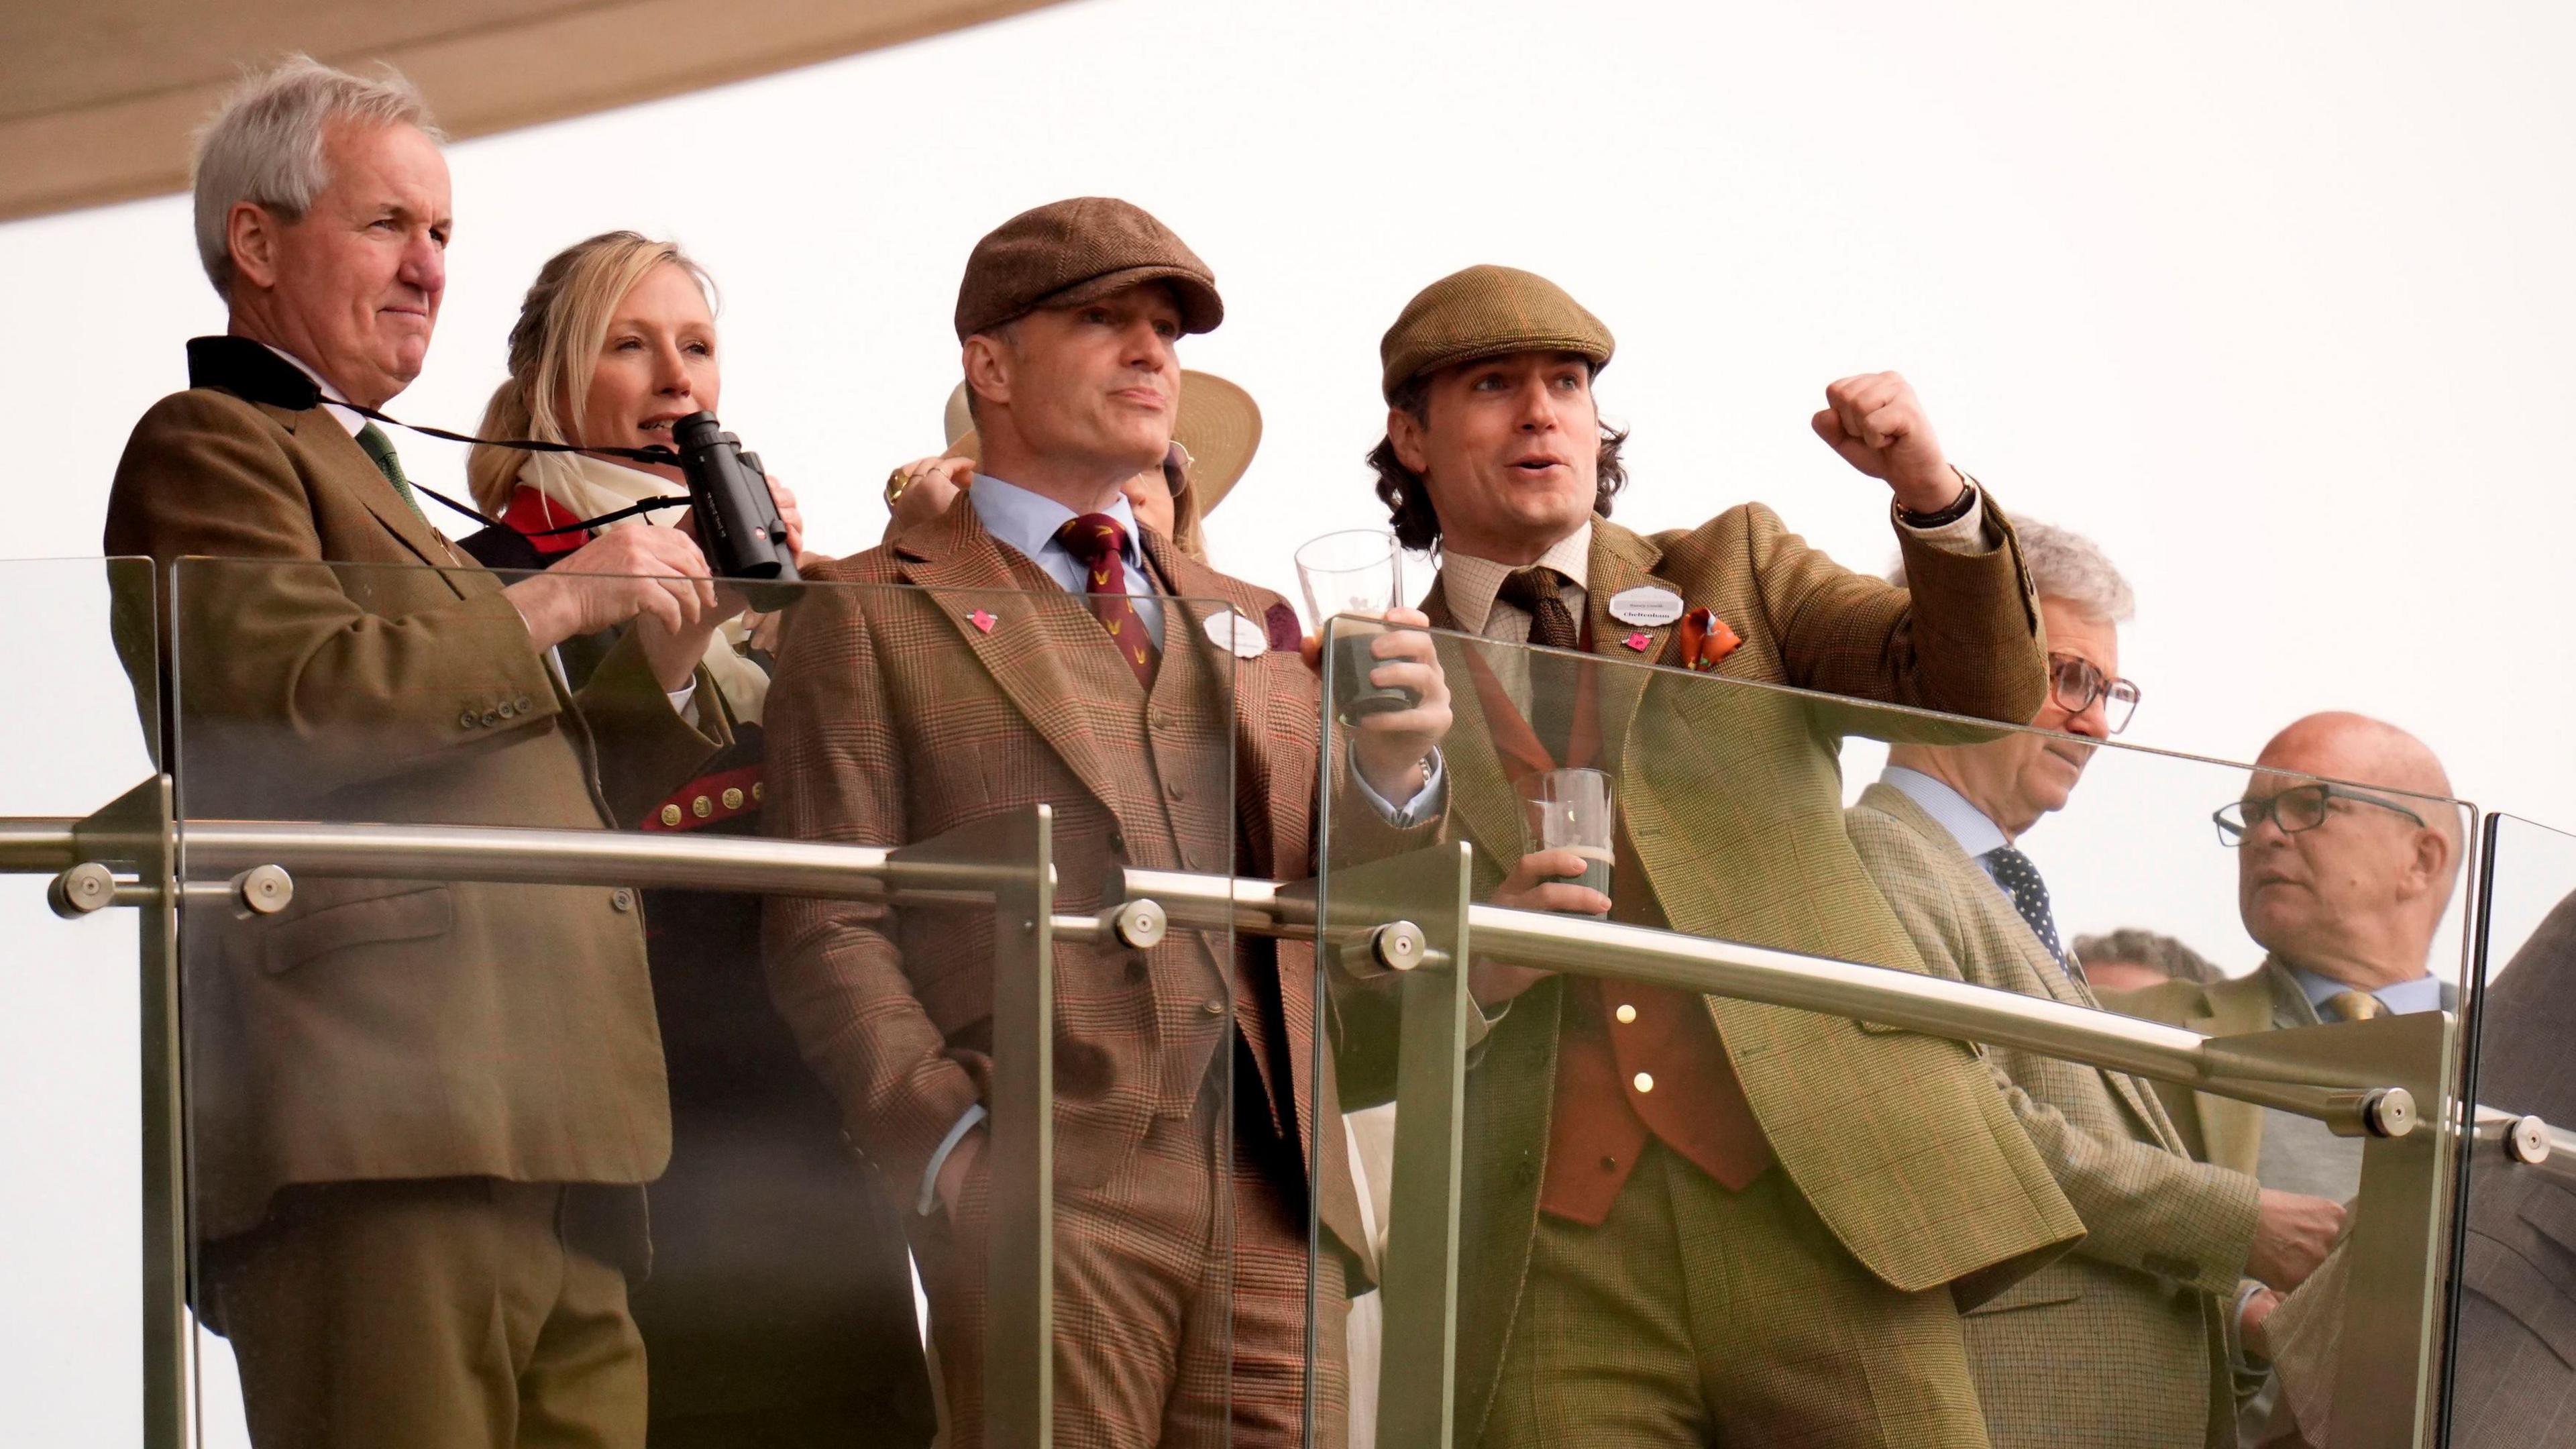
{"type": "Point", "coordinates": [1646, 606]}
{"type": "Point", "coordinates": [1233, 632]}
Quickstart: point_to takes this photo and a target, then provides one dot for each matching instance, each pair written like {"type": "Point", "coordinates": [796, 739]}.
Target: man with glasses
{"type": "Point", "coordinates": [2344, 887]}
{"type": "Point", "coordinates": [2122, 1341]}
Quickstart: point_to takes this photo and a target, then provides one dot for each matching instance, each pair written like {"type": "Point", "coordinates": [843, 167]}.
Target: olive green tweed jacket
{"type": "Point", "coordinates": [1733, 797]}
{"type": "Point", "coordinates": [2123, 1342]}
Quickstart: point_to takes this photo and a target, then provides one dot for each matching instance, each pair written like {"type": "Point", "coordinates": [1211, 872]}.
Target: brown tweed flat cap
{"type": "Point", "coordinates": [1486, 312]}
{"type": "Point", "coordinates": [1067, 253]}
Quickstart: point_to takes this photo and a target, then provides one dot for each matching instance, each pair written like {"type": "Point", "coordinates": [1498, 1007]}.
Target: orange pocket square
{"type": "Point", "coordinates": [1706, 639]}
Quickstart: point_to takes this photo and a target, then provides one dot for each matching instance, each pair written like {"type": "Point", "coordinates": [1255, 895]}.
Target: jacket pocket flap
{"type": "Point", "coordinates": [2037, 1291]}
{"type": "Point", "coordinates": [387, 911]}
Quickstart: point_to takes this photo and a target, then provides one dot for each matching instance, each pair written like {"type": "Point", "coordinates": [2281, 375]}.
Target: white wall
{"type": "Point", "coordinates": [2272, 301]}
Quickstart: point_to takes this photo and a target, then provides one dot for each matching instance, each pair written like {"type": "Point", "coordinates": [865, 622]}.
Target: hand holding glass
{"type": "Point", "coordinates": [1358, 571]}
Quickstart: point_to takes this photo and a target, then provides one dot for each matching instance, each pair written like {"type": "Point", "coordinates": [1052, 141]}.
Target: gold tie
{"type": "Point", "coordinates": [2354, 1006]}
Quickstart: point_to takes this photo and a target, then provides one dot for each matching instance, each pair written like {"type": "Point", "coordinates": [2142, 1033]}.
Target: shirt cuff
{"type": "Point", "coordinates": [1424, 805]}
{"type": "Point", "coordinates": [681, 696]}
{"type": "Point", "coordinates": [929, 1200]}
{"type": "Point", "coordinates": [1965, 534]}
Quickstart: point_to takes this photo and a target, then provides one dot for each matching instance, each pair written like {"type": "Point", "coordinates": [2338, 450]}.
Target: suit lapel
{"type": "Point", "coordinates": [2060, 985]}
{"type": "Point", "coordinates": [965, 573]}
{"type": "Point", "coordinates": [1198, 594]}
{"type": "Point", "coordinates": [1480, 788]}
{"type": "Point", "coordinates": [355, 471]}
{"type": "Point", "coordinates": [1621, 561]}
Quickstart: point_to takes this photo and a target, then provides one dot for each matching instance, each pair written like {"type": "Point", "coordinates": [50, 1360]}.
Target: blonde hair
{"type": "Point", "coordinates": [264, 145]}
{"type": "Point", "coordinates": [554, 349]}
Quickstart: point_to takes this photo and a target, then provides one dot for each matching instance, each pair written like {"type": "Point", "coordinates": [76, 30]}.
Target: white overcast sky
{"type": "Point", "coordinates": [2272, 301]}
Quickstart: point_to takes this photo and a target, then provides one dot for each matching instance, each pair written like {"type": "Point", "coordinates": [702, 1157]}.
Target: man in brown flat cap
{"type": "Point", "coordinates": [1697, 1220]}
{"type": "Point", "coordinates": [1050, 651]}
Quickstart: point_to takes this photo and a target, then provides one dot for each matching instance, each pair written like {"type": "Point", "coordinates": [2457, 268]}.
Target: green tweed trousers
{"type": "Point", "coordinates": [1696, 1317]}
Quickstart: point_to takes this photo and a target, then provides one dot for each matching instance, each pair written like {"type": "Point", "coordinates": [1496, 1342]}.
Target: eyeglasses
{"type": "Point", "coordinates": [2302, 807]}
{"type": "Point", "coordinates": [2075, 684]}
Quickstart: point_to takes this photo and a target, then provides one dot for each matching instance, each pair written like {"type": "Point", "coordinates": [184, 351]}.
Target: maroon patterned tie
{"type": "Point", "coordinates": [1100, 542]}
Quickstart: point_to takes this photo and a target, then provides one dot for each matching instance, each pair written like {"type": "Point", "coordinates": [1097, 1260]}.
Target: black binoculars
{"type": "Point", "coordinates": [738, 524]}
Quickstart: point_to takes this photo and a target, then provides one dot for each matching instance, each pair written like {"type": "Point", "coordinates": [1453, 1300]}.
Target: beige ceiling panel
{"type": "Point", "coordinates": [98, 97]}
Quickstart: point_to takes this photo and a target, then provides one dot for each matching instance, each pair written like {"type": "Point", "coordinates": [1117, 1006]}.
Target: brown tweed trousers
{"type": "Point", "coordinates": [1896, 1141]}
{"type": "Point", "coordinates": [897, 718]}
{"type": "Point", "coordinates": [2122, 1344]}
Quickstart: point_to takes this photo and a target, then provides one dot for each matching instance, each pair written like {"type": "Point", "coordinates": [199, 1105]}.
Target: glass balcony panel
{"type": "Point", "coordinates": [1739, 1160]}
{"type": "Point", "coordinates": [2511, 1344]}
{"type": "Point", "coordinates": [79, 1214]}
{"type": "Point", "coordinates": [854, 901]}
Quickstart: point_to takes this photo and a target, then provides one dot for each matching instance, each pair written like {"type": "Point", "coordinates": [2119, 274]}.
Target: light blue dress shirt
{"type": "Point", "coordinates": [1028, 522]}
{"type": "Point", "coordinates": [2424, 993]}
{"type": "Point", "coordinates": [1966, 823]}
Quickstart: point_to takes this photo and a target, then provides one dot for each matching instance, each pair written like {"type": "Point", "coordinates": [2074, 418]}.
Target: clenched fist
{"type": "Point", "coordinates": [1877, 424]}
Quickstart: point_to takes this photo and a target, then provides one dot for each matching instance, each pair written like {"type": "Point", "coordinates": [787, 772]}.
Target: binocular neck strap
{"type": "Point", "coordinates": [660, 456]}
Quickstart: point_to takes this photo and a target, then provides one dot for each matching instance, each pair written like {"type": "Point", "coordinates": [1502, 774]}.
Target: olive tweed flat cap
{"type": "Point", "coordinates": [1486, 312]}
{"type": "Point", "coordinates": [1067, 253]}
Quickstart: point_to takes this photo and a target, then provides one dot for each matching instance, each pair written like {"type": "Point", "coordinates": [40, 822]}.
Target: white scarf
{"type": "Point", "coordinates": [589, 487]}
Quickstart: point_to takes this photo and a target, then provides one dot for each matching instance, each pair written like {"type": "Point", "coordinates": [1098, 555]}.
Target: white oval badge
{"type": "Point", "coordinates": [1233, 631]}
{"type": "Point", "coordinates": [1646, 606]}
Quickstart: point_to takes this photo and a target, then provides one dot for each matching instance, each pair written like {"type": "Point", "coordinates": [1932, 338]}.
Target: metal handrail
{"type": "Point", "coordinates": [1584, 945]}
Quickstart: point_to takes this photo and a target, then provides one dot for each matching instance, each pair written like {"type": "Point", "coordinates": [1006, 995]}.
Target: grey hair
{"type": "Point", "coordinates": [2066, 566]}
{"type": "Point", "coordinates": [264, 145]}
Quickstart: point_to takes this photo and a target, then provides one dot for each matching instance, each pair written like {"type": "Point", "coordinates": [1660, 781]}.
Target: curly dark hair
{"type": "Point", "coordinates": [1408, 498]}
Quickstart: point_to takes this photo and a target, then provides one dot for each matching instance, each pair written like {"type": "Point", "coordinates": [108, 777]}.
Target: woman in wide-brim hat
{"type": "Point", "coordinates": [1214, 436]}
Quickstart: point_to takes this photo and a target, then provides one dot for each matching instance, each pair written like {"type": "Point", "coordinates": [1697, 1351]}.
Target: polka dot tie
{"type": "Point", "coordinates": [2020, 879]}
{"type": "Point", "coordinates": [1100, 543]}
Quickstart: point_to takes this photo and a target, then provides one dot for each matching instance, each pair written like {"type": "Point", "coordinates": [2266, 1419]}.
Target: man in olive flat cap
{"type": "Point", "coordinates": [1694, 1220]}
{"type": "Point", "coordinates": [1050, 651]}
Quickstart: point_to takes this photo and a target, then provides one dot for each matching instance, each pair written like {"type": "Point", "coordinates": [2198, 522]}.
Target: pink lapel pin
{"type": "Point", "coordinates": [1640, 641]}
{"type": "Point", "coordinates": [982, 621]}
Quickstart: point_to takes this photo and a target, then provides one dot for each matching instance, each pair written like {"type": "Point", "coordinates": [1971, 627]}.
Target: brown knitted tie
{"type": "Point", "coordinates": [1101, 544]}
{"type": "Point", "coordinates": [1534, 591]}
{"type": "Point", "coordinates": [1551, 681]}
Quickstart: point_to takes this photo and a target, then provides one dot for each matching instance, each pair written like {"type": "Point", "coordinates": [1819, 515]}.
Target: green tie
{"type": "Point", "coordinates": [380, 449]}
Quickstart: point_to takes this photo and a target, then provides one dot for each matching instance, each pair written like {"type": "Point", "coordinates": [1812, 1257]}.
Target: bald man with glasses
{"type": "Point", "coordinates": [2344, 886]}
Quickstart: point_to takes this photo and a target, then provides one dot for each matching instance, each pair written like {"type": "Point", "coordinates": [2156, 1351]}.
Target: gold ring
{"type": "Point", "coordinates": [896, 482]}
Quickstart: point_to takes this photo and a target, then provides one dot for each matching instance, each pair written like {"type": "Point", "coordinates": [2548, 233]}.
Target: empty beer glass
{"type": "Point", "coordinates": [1570, 810]}
{"type": "Point", "coordinates": [1357, 571]}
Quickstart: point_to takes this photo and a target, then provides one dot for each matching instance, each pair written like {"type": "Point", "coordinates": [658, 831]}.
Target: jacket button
{"type": "Point", "coordinates": [671, 815]}
{"type": "Point", "coordinates": [755, 790]}
{"type": "Point", "coordinates": [1627, 1014]}
{"type": "Point", "coordinates": [732, 798]}
{"type": "Point", "coordinates": [1172, 788]}
{"type": "Point", "coordinates": [468, 720]}
{"type": "Point", "coordinates": [525, 704]}
{"type": "Point", "coordinates": [1118, 841]}
{"type": "Point", "coordinates": [508, 711]}
{"type": "Point", "coordinates": [702, 807]}
{"type": "Point", "coordinates": [491, 717]}
{"type": "Point", "coordinates": [1213, 1006]}
{"type": "Point", "coordinates": [1643, 1082]}
{"type": "Point", "coordinates": [1609, 1164]}
{"type": "Point", "coordinates": [622, 899]}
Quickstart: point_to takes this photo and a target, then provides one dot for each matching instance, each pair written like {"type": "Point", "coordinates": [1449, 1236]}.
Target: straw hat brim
{"type": "Point", "coordinates": [1219, 423]}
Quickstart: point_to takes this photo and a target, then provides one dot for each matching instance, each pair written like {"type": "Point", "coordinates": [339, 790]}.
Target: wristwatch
{"type": "Point", "coordinates": [1956, 509]}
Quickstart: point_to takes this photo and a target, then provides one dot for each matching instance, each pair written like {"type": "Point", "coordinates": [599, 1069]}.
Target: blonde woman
{"type": "Point", "coordinates": [779, 1309]}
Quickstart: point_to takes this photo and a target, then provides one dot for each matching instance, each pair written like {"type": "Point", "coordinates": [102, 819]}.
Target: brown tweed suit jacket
{"type": "Point", "coordinates": [896, 719]}
{"type": "Point", "coordinates": [388, 1028]}
{"type": "Point", "coordinates": [1732, 795]}
{"type": "Point", "coordinates": [2122, 1342]}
